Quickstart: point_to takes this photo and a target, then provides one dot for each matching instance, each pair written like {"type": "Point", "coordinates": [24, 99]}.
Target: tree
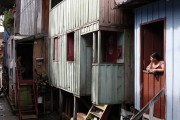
{"type": "Point", "coordinates": [8, 19]}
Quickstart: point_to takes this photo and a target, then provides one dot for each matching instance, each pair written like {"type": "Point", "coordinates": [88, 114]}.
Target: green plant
{"type": "Point", "coordinates": [8, 19]}
{"type": "Point", "coordinates": [42, 82]}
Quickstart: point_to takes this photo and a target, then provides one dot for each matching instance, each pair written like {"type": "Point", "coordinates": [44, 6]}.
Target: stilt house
{"type": "Point", "coordinates": [29, 42]}
{"type": "Point", "coordinates": [90, 52]}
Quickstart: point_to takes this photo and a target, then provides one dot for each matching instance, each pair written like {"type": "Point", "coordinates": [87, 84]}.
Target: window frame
{"type": "Point", "coordinates": [55, 49]}
{"type": "Point", "coordinates": [70, 47]}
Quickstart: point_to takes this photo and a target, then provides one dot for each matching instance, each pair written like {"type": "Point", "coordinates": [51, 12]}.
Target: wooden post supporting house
{"type": "Point", "coordinates": [94, 48]}
{"type": "Point", "coordinates": [99, 46]}
{"type": "Point", "coordinates": [60, 104]}
{"type": "Point", "coordinates": [75, 109]}
{"type": "Point", "coordinates": [52, 101]}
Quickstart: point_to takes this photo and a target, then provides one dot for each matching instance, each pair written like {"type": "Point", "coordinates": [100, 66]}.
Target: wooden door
{"type": "Point", "coordinates": [152, 84]}
{"type": "Point", "coordinates": [152, 40]}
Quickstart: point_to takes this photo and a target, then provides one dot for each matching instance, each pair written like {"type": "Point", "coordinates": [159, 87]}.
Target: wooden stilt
{"type": "Point", "coordinates": [75, 109]}
{"type": "Point", "coordinates": [52, 101]}
{"type": "Point", "coordinates": [60, 103]}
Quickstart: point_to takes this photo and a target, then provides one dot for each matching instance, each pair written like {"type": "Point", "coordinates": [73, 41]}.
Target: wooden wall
{"type": "Point", "coordinates": [108, 83]}
{"type": "Point", "coordinates": [72, 14]}
{"type": "Point", "coordinates": [114, 17]}
{"type": "Point", "coordinates": [65, 74]}
{"type": "Point", "coordinates": [38, 15]}
{"type": "Point", "coordinates": [85, 17]}
{"type": "Point", "coordinates": [45, 16]}
{"type": "Point", "coordinates": [32, 16]}
{"type": "Point", "coordinates": [68, 75]}
{"type": "Point", "coordinates": [17, 20]}
{"type": "Point", "coordinates": [170, 11]}
{"type": "Point", "coordinates": [66, 17]}
{"type": "Point", "coordinates": [27, 17]}
{"type": "Point", "coordinates": [40, 51]}
{"type": "Point", "coordinates": [129, 65]}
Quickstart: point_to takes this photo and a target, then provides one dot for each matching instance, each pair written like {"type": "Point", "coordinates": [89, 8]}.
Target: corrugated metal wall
{"type": "Point", "coordinates": [69, 15]}
{"type": "Point", "coordinates": [170, 10]}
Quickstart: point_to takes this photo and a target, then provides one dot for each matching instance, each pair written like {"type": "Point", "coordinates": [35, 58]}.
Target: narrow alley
{"type": "Point", "coordinates": [89, 59]}
{"type": "Point", "coordinates": [5, 110]}
{"type": "Point", "coordinates": [7, 114]}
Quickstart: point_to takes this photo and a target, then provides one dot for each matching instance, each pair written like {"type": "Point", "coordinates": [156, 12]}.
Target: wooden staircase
{"type": "Point", "coordinates": [27, 98]}
{"type": "Point", "coordinates": [98, 112]}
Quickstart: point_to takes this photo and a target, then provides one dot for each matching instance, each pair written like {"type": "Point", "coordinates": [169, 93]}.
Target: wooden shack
{"type": "Point", "coordinates": [30, 43]}
{"type": "Point", "coordinates": [157, 30]}
{"type": "Point", "coordinates": [91, 50]}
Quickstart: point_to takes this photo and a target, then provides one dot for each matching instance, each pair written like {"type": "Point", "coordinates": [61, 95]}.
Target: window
{"type": "Point", "coordinates": [70, 47]}
{"type": "Point", "coordinates": [112, 47]}
{"type": "Point", "coordinates": [55, 49]}
{"type": "Point", "coordinates": [55, 2]}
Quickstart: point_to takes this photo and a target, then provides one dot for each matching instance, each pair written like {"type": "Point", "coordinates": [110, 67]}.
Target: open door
{"type": "Point", "coordinates": [152, 40]}
{"type": "Point", "coordinates": [25, 50]}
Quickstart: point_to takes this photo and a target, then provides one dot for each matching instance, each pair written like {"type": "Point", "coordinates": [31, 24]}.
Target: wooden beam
{"type": "Point", "coordinates": [60, 103]}
{"type": "Point", "coordinates": [94, 48]}
{"type": "Point", "coordinates": [75, 109]}
{"type": "Point", "coordinates": [99, 47]}
{"type": "Point", "coordinates": [52, 101]}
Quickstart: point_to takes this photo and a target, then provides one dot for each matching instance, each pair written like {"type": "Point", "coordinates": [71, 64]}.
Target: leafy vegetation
{"type": "Point", "coordinates": [42, 82]}
{"type": "Point", "coordinates": [8, 20]}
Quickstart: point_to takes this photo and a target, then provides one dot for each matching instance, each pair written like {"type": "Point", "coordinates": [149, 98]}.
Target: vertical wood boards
{"type": "Point", "coordinates": [152, 84]}
{"type": "Point", "coordinates": [176, 52]}
{"type": "Point", "coordinates": [27, 17]}
{"type": "Point", "coordinates": [170, 11]}
{"type": "Point", "coordinates": [108, 84]}
{"type": "Point", "coordinates": [68, 15]}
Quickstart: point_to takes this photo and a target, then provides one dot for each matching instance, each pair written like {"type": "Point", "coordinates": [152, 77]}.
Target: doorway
{"type": "Point", "coordinates": [25, 50]}
{"type": "Point", "coordinates": [152, 40]}
{"type": "Point", "coordinates": [87, 56]}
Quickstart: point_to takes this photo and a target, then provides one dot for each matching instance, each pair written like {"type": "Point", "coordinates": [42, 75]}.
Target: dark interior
{"type": "Point", "coordinates": [25, 50]}
{"type": "Point", "coordinates": [152, 40]}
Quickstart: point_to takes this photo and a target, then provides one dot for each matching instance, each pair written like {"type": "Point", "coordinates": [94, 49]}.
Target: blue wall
{"type": "Point", "coordinates": [6, 36]}
{"type": "Point", "coordinates": [170, 11]}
